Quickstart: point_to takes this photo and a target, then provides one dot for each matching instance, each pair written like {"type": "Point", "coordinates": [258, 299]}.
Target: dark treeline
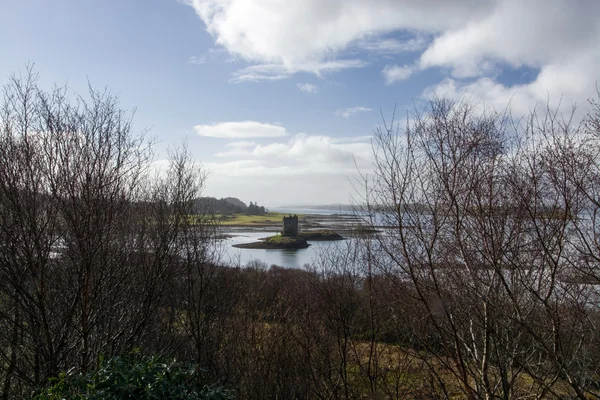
{"type": "Point", "coordinates": [101, 256]}
{"type": "Point", "coordinates": [228, 205]}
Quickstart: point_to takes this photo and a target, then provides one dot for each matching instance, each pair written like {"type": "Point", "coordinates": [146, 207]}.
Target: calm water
{"type": "Point", "coordinates": [309, 211]}
{"type": "Point", "coordinates": [284, 258]}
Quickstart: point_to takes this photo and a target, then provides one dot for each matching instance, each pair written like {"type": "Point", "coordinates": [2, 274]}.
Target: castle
{"type": "Point", "coordinates": [290, 226]}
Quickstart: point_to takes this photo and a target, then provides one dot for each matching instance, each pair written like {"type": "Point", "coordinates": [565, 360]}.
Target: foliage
{"type": "Point", "coordinates": [229, 206]}
{"type": "Point", "coordinates": [134, 377]}
{"type": "Point", "coordinates": [255, 209]}
{"type": "Point", "coordinates": [279, 238]}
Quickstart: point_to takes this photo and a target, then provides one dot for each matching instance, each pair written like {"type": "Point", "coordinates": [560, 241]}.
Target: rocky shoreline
{"type": "Point", "coordinates": [344, 224]}
{"type": "Point", "coordinates": [276, 242]}
{"type": "Point", "coordinates": [321, 235]}
{"type": "Point", "coordinates": [292, 242]}
{"type": "Point", "coordinates": [314, 228]}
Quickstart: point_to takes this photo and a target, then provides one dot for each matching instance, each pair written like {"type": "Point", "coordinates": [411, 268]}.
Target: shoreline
{"type": "Point", "coordinates": [346, 225]}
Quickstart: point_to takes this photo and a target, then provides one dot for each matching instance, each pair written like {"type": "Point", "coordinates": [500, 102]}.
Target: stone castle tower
{"type": "Point", "coordinates": [290, 226]}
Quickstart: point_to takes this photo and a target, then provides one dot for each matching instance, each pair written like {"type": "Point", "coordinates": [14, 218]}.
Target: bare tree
{"type": "Point", "coordinates": [90, 244]}
{"type": "Point", "coordinates": [481, 211]}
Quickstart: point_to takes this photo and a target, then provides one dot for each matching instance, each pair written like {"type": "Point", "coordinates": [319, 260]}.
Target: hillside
{"type": "Point", "coordinates": [228, 205]}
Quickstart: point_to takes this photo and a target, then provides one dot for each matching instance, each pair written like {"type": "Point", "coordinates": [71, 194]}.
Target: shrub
{"type": "Point", "coordinates": [135, 377]}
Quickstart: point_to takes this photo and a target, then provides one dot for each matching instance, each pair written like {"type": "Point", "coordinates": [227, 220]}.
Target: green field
{"type": "Point", "coordinates": [271, 218]}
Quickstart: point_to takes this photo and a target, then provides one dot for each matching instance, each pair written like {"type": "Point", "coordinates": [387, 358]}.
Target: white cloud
{"type": "Point", "coordinates": [531, 33]}
{"type": "Point", "coordinates": [197, 60]}
{"type": "Point", "coordinates": [472, 40]}
{"type": "Point", "coordinates": [395, 73]}
{"type": "Point", "coordinates": [557, 39]}
{"type": "Point", "coordinates": [242, 144]}
{"type": "Point", "coordinates": [308, 87]}
{"type": "Point", "coordinates": [388, 46]}
{"type": "Point", "coordinates": [352, 139]}
{"type": "Point", "coordinates": [306, 168]}
{"type": "Point", "coordinates": [308, 35]}
{"type": "Point", "coordinates": [289, 32]}
{"type": "Point", "coordinates": [273, 72]}
{"type": "Point", "coordinates": [559, 85]}
{"type": "Point", "coordinates": [347, 112]}
{"type": "Point", "coordinates": [277, 186]}
{"type": "Point", "coordinates": [315, 151]}
{"type": "Point", "coordinates": [240, 130]}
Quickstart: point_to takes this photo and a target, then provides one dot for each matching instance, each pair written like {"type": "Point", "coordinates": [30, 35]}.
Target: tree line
{"type": "Point", "coordinates": [228, 206]}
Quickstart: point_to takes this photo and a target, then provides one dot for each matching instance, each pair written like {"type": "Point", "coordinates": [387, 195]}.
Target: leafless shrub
{"type": "Point", "coordinates": [488, 222]}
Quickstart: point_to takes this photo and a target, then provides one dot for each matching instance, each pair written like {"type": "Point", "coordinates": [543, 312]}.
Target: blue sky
{"type": "Point", "coordinates": [277, 98]}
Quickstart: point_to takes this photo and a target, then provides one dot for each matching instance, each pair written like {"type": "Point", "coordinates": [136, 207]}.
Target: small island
{"type": "Point", "coordinates": [276, 242]}
{"type": "Point", "coordinates": [291, 238]}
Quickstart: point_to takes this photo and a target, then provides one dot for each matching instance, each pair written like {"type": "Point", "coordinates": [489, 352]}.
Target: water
{"type": "Point", "coordinates": [307, 211]}
{"type": "Point", "coordinates": [289, 258]}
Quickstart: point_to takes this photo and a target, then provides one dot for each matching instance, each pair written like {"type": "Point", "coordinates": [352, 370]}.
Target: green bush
{"type": "Point", "coordinates": [135, 377]}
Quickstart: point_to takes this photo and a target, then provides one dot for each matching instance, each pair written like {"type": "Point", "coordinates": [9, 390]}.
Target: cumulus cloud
{"type": "Point", "coordinates": [273, 72]}
{"type": "Point", "coordinates": [279, 185]}
{"type": "Point", "coordinates": [348, 112]}
{"type": "Point", "coordinates": [308, 35]}
{"type": "Point", "coordinates": [518, 33]}
{"type": "Point", "coordinates": [297, 168]}
{"type": "Point", "coordinates": [240, 130]}
{"type": "Point", "coordinates": [242, 143]}
{"type": "Point", "coordinates": [395, 73]}
{"type": "Point", "coordinates": [352, 139]}
{"type": "Point", "coordinates": [308, 87]}
{"type": "Point", "coordinates": [474, 41]}
{"type": "Point", "coordinates": [315, 151]}
{"type": "Point", "coordinates": [291, 31]}
{"type": "Point", "coordinates": [558, 39]}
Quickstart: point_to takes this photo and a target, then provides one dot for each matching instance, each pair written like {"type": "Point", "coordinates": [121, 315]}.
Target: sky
{"type": "Point", "coordinates": [278, 99]}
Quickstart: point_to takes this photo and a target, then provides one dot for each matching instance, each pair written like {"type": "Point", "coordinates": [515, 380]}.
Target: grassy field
{"type": "Point", "coordinates": [271, 218]}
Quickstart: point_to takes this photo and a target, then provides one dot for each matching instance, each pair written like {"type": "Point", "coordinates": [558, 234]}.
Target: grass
{"type": "Point", "coordinates": [280, 239]}
{"type": "Point", "coordinates": [271, 218]}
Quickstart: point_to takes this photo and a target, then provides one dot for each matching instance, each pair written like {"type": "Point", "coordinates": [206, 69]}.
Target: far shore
{"type": "Point", "coordinates": [311, 225]}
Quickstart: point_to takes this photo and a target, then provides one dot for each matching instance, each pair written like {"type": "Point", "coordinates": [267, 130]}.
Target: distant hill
{"type": "Point", "coordinates": [236, 202]}
{"type": "Point", "coordinates": [228, 205]}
